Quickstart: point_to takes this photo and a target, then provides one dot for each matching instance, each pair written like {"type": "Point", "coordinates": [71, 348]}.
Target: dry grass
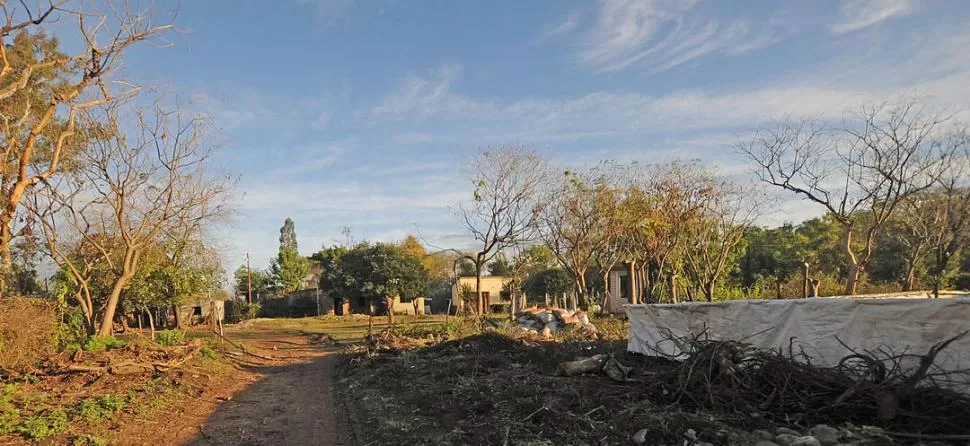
{"type": "Point", "coordinates": [28, 332]}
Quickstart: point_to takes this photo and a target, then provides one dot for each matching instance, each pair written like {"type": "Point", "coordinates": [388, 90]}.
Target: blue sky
{"type": "Point", "coordinates": [360, 113]}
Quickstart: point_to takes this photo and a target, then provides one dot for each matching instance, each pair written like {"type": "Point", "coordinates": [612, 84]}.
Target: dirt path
{"type": "Point", "coordinates": [283, 402]}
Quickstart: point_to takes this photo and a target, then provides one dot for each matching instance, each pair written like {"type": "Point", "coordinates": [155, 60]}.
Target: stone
{"type": "Point", "coordinates": [546, 332]}
{"type": "Point", "coordinates": [826, 435]}
{"type": "Point", "coordinates": [640, 437]}
{"type": "Point", "coordinates": [765, 443]}
{"type": "Point", "coordinates": [787, 431]}
{"type": "Point", "coordinates": [784, 439]}
{"type": "Point", "coordinates": [762, 435]}
{"type": "Point", "coordinates": [807, 440]}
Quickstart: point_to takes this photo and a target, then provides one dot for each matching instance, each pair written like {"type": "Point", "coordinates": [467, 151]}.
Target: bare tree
{"type": "Point", "coordinates": [505, 208]}
{"type": "Point", "coordinates": [859, 172]}
{"type": "Point", "coordinates": [132, 190]}
{"type": "Point", "coordinates": [43, 91]}
{"type": "Point", "coordinates": [712, 240]}
{"type": "Point", "coordinates": [937, 220]}
{"type": "Point", "coordinates": [580, 223]}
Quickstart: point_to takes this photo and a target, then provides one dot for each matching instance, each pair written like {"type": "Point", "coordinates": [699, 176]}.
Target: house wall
{"type": "Point", "coordinates": [490, 284]}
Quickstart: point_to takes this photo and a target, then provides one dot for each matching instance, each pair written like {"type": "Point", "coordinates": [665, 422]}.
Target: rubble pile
{"type": "Point", "coordinates": [547, 320]}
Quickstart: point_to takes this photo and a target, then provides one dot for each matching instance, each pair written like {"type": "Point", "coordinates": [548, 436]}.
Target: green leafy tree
{"type": "Point", "coordinates": [289, 267]}
{"type": "Point", "coordinates": [551, 282]}
{"type": "Point", "coordinates": [371, 273]}
{"type": "Point", "coordinates": [501, 266]}
{"type": "Point", "coordinates": [261, 280]}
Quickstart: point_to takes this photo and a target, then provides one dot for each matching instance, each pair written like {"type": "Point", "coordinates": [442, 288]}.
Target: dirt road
{"type": "Point", "coordinates": [283, 402]}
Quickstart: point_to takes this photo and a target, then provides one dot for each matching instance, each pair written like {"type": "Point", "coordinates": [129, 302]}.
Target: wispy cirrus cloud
{"type": "Point", "coordinates": [557, 29]}
{"type": "Point", "coordinates": [661, 34]}
{"type": "Point", "coordinates": [858, 14]}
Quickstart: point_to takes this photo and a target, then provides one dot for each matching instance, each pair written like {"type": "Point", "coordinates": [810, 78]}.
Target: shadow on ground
{"type": "Point", "coordinates": [291, 403]}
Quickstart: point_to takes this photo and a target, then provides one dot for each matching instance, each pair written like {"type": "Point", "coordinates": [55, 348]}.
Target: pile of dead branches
{"type": "Point", "coordinates": [135, 358]}
{"type": "Point", "coordinates": [898, 392]}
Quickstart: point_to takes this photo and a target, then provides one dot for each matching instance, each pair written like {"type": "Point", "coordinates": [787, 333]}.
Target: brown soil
{"type": "Point", "coordinates": [264, 402]}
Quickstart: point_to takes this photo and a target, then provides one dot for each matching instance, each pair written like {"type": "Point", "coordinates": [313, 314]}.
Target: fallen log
{"type": "Point", "coordinates": [584, 365]}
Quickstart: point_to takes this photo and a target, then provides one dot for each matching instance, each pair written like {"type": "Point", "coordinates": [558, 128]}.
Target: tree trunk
{"type": "Point", "coordinates": [853, 279]}
{"type": "Point", "coordinates": [478, 287]}
{"type": "Point", "coordinates": [910, 277]}
{"type": "Point", "coordinates": [777, 289]}
{"type": "Point", "coordinates": [606, 292]}
{"type": "Point", "coordinates": [854, 270]}
{"type": "Point", "coordinates": [708, 290]}
{"type": "Point", "coordinates": [389, 302]}
{"type": "Point", "coordinates": [151, 323]}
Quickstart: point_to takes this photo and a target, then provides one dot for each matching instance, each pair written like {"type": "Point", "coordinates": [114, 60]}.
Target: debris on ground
{"type": "Point", "coordinates": [498, 389]}
{"type": "Point", "coordinates": [545, 321]}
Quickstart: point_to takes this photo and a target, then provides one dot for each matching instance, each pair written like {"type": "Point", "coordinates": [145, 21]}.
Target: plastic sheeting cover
{"type": "Point", "coordinates": [815, 325]}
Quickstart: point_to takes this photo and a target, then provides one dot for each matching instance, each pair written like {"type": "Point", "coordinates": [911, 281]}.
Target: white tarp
{"type": "Point", "coordinates": [892, 324]}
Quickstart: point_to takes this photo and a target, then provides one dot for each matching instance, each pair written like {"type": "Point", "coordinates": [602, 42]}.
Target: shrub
{"type": "Point", "coordinates": [94, 409]}
{"type": "Point", "coordinates": [27, 328]}
{"type": "Point", "coordinates": [99, 343]}
{"type": "Point", "coordinates": [207, 352]}
{"type": "Point", "coordinates": [71, 332]}
{"type": "Point", "coordinates": [43, 426]}
{"type": "Point", "coordinates": [170, 337]}
{"type": "Point", "coordinates": [9, 414]}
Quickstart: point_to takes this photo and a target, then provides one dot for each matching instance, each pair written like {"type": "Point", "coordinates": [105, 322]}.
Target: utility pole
{"type": "Point", "coordinates": [249, 281]}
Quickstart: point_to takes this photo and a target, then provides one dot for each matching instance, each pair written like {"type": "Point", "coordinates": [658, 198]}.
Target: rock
{"type": "Point", "coordinates": [702, 443]}
{"type": "Point", "coordinates": [787, 431]}
{"type": "Point", "coordinates": [691, 434]}
{"type": "Point", "coordinates": [826, 435]}
{"type": "Point", "coordinates": [762, 435]}
{"type": "Point", "coordinates": [784, 439]}
{"type": "Point", "coordinates": [765, 443]}
{"type": "Point", "coordinates": [807, 440]}
{"type": "Point", "coordinates": [640, 437]}
{"type": "Point", "coordinates": [546, 332]}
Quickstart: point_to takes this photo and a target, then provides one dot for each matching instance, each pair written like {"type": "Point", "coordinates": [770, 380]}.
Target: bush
{"type": "Point", "coordinates": [94, 409]}
{"type": "Point", "coordinates": [99, 343]}
{"type": "Point", "coordinates": [170, 337]}
{"type": "Point", "coordinates": [43, 426]}
{"type": "Point", "coordinates": [71, 332]}
{"type": "Point", "coordinates": [9, 414]}
{"type": "Point", "coordinates": [28, 332]}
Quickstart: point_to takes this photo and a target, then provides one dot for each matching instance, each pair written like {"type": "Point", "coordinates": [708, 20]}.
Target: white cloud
{"type": "Point", "coordinates": [858, 14]}
{"type": "Point", "coordinates": [312, 159]}
{"type": "Point", "coordinates": [431, 101]}
{"type": "Point", "coordinates": [559, 29]}
{"type": "Point", "coordinates": [662, 34]}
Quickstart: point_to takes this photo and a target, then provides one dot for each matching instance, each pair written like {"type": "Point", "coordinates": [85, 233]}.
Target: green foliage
{"type": "Point", "coordinates": [95, 409]}
{"type": "Point", "coordinates": [552, 281]}
{"type": "Point", "coordinates": [39, 427]}
{"type": "Point", "coordinates": [289, 267]}
{"type": "Point", "coordinates": [71, 332]}
{"type": "Point", "coordinates": [261, 282]}
{"type": "Point", "coordinates": [207, 352]}
{"type": "Point", "coordinates": [98, 343]}
{"type": "Point", "coordinates": [369, 273]}
{"type": "Point", "coordinates": [500, 266]}
{"type": "Point", "coordinates": [170, 337]}
{"type": "Point", "coordinates": [9, 414]}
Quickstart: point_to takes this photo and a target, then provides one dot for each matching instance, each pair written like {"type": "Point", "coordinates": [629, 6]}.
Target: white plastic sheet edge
{"type": "Point", "coordinates": [815, 325]}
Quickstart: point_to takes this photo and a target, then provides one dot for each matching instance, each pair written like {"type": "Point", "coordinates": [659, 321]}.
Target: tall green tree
{"type": "Point", "coordinates": [289, 267]}
{"type": "Point", "coordinates": [261, 281]}
{"type": "Point", "coordinates": [371, 273]}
